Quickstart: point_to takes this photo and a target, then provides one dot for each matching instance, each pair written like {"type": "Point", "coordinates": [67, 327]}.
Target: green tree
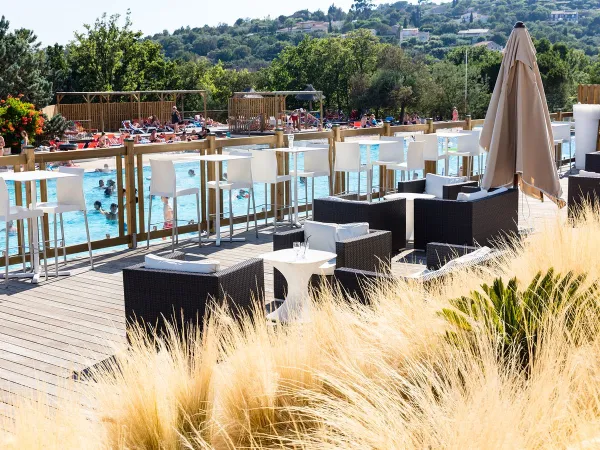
{"type": "Point", "coordinates": [22, 66]}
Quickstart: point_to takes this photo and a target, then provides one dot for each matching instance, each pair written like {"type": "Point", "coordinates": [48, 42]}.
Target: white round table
{"type": "Point", "coordinates": [297, 272]}
{"type": "Point", "coordinates": [410, 209]}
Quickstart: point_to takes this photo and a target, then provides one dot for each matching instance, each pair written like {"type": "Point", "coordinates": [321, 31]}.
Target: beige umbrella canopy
{"type": "Point", "coordinates": [517, 133]}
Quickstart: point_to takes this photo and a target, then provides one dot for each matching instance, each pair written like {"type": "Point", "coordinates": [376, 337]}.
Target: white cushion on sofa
{"type": "Point", "coordinates": [352, 230]}
{"type": "Point", "coordinates": [434, 184]}
{"type": "Point", "coordinates": [499, 190]}
{"type": "Point", "coordinates": [322, 236]}
{"type": "Point", "coordinates": [465, 197]}
{"type": "Point", "coordinates": [160, 263]}
{"type": "Point", "coordinates": [585, 173]}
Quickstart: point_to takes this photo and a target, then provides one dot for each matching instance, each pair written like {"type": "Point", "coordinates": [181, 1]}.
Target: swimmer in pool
{"type": "Point", "coordinates": [191, 173]}
{"type": "Point", "coordinates": [101, 184]}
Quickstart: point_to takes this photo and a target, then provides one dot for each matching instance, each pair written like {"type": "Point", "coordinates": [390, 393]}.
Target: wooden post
{"type": "Point", "coordinates": [338, 179]}
{"type": "Point", "coordinates": [212, 149]}
{"type": "Point", "coordinates": [30, 164]}
{"type": "Point", "coordinates": [560, 115]}
{"type": "Point", "coordinates": [430, 166]}
{"type": "Point", "coordinates": [88, 101]}
{"type": "Point", "coordinates": [467, 161]}
{"type": "Point", "coordinates": [130, 193]}
{"type": "Point", "coordinates": [19, 202]}
{"type": "Point", "coordinates": [120, 187]}
{"type": "Point", "coordinates": [282, 190]}
{"type": "Point", "coordinates": [140, 184]}
{"type": "Point", "coordinates": [44, 198]}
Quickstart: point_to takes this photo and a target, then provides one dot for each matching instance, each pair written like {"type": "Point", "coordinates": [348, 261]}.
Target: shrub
{"type": "Point", "coordinates": [515, 316]}
{"type": "Point", "coordinates": [17, 116]}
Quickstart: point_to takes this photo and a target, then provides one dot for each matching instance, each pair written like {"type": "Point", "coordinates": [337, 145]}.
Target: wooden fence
{"type": "Point", "coordinates": [129, 162]}
{"type": "Point", "coordinates": [110, 116]}
{"type": "Point", "coordinates": [253, 114]}
{"type": "Point", "coordinates": [589, 93]}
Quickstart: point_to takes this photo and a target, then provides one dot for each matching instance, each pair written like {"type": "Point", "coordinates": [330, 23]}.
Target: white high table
{"type": "Point", "coordinates": [217, 160]}
{"type": "Point", "coordinates": [410, 210]}
{"type": "Point", "coordinates": [297, 271]}
{"type": "Point", "coordinates": [294, 151]}
{"type": "Point", "coordinates": [447, 136]}
{"type": "Point", "coordinates": [32, 177]}
{"type": "Point", "coordinates": [368, 143]}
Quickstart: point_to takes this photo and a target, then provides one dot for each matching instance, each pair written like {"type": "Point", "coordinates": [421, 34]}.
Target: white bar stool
{"type": "Point", "coordinates": [264, 171]}
{"type": "Point", "coordinates": [347, 159]}
{"type": "Point", "coordinates": [164, 184]}
{"type": "Point", "coordinates": [10, 213]}
{"type": "Point", "coordinates": [414, 159]}
{"type": "Point", "coordinates": [239, 176]}
{"type": "Point", "coordinates": [316, 164]}
{"type": "Point", "coordinates": [431, 149]}
{"type": "Point", "coordinates": [390, 155]}
{"type": "Point", "coordinates": [69, 198]}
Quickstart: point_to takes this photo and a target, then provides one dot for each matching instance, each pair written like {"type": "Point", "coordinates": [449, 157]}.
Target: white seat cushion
{"type": "Point", "coordinates": [434, 184]}
{"type": "Point", "coordinates": [159, 263]}
{"type": "Point", "coordinates": [585, 173]}
{"type": "Point", "coordinates": [57, 208]}
{"type": "Point", "coordinates": [327, 268]}
{"type": "Point", "coordinates": [465, 197]}
{"type": "Point", "coordinates": [352, 230]}
{"type": "Point", "coordinates": [321, 236]}
{"type": "Point", "coordinates": [188, 191]}
{"type": "Point", "coordinates": [22, 212]}
{"type": "Point", "coordinates": [500, 190]}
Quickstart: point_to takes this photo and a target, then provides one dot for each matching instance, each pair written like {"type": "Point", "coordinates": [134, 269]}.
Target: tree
{"type": "Point", "coordinates": [56, 68]}
{"type": "Point", "coordinates": [362, 7]}
{"type": "Point", "coordinates": [471, 17]}
{"type": "Point", "coordinates": [405, 23]}
{"type": "Point", "coordinates": [22, 66]}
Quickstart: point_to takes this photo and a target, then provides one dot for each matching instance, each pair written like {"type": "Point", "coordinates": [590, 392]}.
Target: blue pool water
{"type": "Point", "coordinates": [100, 227]}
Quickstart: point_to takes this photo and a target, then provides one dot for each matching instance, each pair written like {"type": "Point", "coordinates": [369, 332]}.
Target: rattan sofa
{"type": "Point", "coordinates": [582, 190]}
{"type": "Point", "coordinates": [475, 222]}
{"type": "Point", "coordinates": [592, 162]}
{"type": "Point", "coordinates": [355, 284]}
{"type": "Point", "coordinates": [154, 295]}
{"type": "Point", "coordinates": [451, 191]}
{"type": "Point", "coordinates": [387, 215]}
{"type": "Point", "coordinates": [370, 252]}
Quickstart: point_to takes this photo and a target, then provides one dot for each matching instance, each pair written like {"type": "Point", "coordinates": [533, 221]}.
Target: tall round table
{"type": "Point", "coordinates": [410, 210]}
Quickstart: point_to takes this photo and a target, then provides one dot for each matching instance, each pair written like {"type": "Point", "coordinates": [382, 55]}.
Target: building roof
{"type": "Point", "coordinates": [474, 31]}
{"type": "Point", "coordinates": [563, 12]}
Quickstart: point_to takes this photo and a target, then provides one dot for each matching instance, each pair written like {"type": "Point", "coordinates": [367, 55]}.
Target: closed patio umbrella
{"type": "Point", "coordinates": [517, 133]}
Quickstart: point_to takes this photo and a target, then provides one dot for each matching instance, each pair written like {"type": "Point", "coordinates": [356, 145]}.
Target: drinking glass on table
{"type": "Point", "coordinates": [297, 248]}
{"type": "Point", "coordinates": [304, 249]}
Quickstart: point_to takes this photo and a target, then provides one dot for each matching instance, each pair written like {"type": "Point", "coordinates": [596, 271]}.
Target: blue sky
{"type": "Point", "coordinates": [56, 21]}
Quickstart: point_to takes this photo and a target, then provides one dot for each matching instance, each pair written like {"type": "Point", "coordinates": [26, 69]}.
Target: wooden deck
{"type": "Point", "coordinates": [50, 330]}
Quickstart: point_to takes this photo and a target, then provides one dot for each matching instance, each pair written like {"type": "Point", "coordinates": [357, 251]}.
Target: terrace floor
{"type": "Point", "coordinates": [61, 326]}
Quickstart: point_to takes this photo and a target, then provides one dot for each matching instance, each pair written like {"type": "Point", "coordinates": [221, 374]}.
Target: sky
{"type": "Point", "coordinates": [56, 21]}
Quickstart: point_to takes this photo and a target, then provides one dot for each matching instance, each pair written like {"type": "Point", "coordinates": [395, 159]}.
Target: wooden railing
{"type": "Point", "coordinates": [129, 163]}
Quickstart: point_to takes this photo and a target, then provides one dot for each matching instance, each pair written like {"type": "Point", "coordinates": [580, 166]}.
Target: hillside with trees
{"type": "Point", "coordinates": [353, 66]}
{"type": "Point", "coordinates": [253, 43]}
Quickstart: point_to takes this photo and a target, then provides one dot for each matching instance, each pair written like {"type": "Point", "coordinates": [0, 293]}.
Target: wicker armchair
{"type": "Point", "coordinates": [355, 284]}
{"type": "Point", "coordinates": [387, 215]}
{"type": "Point", "coordinates": [451, 191]}
{"type": "Point", "coordinates": [370, 252]}
{"type": "Point", "coordinates": [592, 162]}
{"type": "Point", "coordinates": [153, 296]}
{"type": "Point", "coordinates": [474, 222]}
{"type": "Point", "coordinates": [582, 191]}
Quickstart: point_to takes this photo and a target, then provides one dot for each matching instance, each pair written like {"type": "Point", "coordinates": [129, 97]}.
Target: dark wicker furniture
{"type": "Point", "coordinates": [370, 252]}
{"type": "Point", "coordinates": [418, 187]}
{"type": "Point", "coordinates": [592, 162]}
{"type": "Point", "coordinates": [387, 215]}
{"type": "Point", "coordinates": [355, 284]}
{"type": "Point", "coordinates": [475, 222]}
{"type": "Point", "coordinates": [151, 294]}
{"type": "Point", "coordinates": [582, 190]}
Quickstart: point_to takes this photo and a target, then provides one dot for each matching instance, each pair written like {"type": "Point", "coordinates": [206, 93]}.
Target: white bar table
{"type": "Point", "coordinates": [32, 177]}
{"type": "Point", "coordinates": [368, 143]}
{"type": "Point", "coordinates": [217, 160]}
{"type": "Point", "coordinates": [297, 270]}
{"type": "Point", "coordinates": [447, 136]}
{"type": "Point", "coordinates": [294, 151]}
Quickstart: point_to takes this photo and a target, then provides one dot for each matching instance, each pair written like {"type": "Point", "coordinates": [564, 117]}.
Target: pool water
{"type": "Point", "coordinates": [101, 228]}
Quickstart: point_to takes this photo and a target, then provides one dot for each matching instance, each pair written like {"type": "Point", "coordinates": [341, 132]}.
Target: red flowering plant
{"type": "Point", "coordinates": [17, 116]}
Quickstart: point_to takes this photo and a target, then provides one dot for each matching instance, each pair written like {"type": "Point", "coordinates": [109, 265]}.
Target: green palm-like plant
{"type": "Point", "coordinates": [515, 316]}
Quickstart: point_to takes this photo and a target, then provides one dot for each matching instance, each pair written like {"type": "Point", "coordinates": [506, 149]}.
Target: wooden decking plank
{"type": "Point", "coordinates": [28, 348]}
{"type": "Point", "coordinates": [58, 331]}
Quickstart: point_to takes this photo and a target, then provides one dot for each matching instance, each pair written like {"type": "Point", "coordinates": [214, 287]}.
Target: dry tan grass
{"type": "Point", "coordinates": [357, 377]}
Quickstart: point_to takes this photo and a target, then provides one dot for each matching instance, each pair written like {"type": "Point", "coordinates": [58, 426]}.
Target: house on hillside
{"type": "Point", "coordinates": [473, 33]}
{"type": "Point", "coordinates": [308, 26]}
{"type": "Point", "coordinates": [564, 16]}
{"type": "Point", "coordinates": [408, 33]}
{"type": "Point", "coordinates": [466, 17]}
{"type": "Point", "coordinates": [490, 45]}
{"type": "Point", "coordinates": [437, 9]}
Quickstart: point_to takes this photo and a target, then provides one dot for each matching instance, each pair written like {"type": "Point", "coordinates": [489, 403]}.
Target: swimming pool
{"type": "Point", "coordinates": [101, 228]}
